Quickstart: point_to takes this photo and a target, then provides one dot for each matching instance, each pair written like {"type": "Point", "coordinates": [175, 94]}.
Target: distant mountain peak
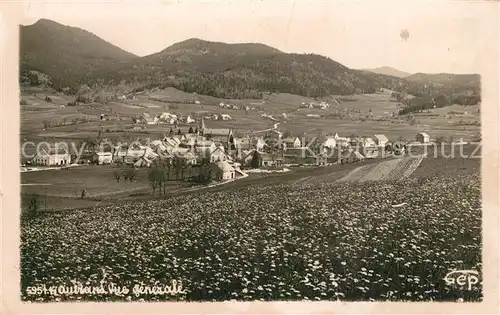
{"type": "Point", "coordinates": [389, 71]}
{"type": "Point", "coordinates": [201, 44]}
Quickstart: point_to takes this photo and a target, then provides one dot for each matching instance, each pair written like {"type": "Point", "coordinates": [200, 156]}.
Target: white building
{"type": "Point", "coordinates": [330, 143]}
{"type": "Point", "coordinates": [52, 157]}
{"type": "Point", "coordinates": [222, 171]}
{"type": "Point", "coordinates": [380, 140]}
{"type": "Point", "coordinates": [423, 137]}
{"type": "Point", "coordinates": [103, 158]}
{"type": "Point", "coordinates": [292, 142]}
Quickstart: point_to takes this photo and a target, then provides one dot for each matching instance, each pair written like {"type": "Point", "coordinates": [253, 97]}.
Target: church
{"type": "Point", "coordinates": [221, 136]}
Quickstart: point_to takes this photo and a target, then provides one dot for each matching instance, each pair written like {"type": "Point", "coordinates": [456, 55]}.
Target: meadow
{"type": "Point", "coordinates": [321, 241]}
{"type": "Point", "coordinates": [62, 189]}
{"type": "Point", "coordinates": [365, 114]}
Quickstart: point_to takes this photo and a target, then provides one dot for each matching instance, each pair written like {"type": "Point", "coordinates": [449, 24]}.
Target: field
{"type": "Point", "coordinates": [61, 189]}
{"type": "Point", "coordinates": [358, 114]}
{"type": "Point", "coordinates": [324, 240]}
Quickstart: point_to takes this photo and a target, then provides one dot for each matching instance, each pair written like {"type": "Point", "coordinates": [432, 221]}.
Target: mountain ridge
{"type": "Point", "coordinates": [389, 71]}
{"type": "Point", "coordinates": [73, 56]}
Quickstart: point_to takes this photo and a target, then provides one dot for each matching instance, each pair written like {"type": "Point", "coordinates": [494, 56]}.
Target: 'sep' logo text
{"type": "Point", "coordinates": [462, 278]}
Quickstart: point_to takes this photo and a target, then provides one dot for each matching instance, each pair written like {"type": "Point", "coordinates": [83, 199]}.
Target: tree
{"type": "Point", "coordinates": [130, 173]}
{"type": "Point", "coordinates": [256, 159]}
{"type": "Point", "coordinates": [287, 134]}
{"type": "Point", "coordinates": [191, 130]}
{"type": "Point", "coordinates": [171, 132]}
{"type": "Point", "coordinates": [92, 144]}
{"type": "Point", "coordinates": [84, 193]}
{"type": "Point", "coordinates": [34, 205]}
{"type": "Point", "coordinates": [179, 132]}
{"type": "Point", "coordinates": [178, 165]}
{"type": "Point", "coordinates": [155, 178]}
{"type": "Point", "coordinates": [439, 140]}
{"type": "Point", "coordinates": [205, 173]}
{"type": "Point", "coordinates": [117, 175]}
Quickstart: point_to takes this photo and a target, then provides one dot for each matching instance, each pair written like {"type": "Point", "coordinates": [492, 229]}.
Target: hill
{"type": "Point", "coordinates": [245, 70]}
{"type": "Point", "coordinates": [65, 53]}
{"type": "Point", "coordinates": [72, 57]}
{"type": "Point", "coordinates": [447, 79]}
{"type": "Point", "coordinates": [389, 71]}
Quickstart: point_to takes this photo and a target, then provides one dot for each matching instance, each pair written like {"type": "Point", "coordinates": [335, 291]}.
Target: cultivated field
{"type": "Point", "coordinates": [392, 241]}
{"type": "Point", "coordinates": [357, 114]}
{"type": "Point", "coordinates": [393, 169]}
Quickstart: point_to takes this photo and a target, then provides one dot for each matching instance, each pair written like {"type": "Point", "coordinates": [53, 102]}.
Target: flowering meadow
{"type": "Point", "coordinates": [324, 241]}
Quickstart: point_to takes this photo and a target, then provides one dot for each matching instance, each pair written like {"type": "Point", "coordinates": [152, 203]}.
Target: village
{"type": "Point", "coordinates": [193, 147]}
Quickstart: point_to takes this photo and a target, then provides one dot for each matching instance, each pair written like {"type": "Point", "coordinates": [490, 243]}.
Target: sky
{"type": "Point", "coordinates": [444, 36]}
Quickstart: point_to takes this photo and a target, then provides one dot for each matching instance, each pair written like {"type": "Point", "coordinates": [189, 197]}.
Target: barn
{"type": "Point", "coordinates": [423, 137]}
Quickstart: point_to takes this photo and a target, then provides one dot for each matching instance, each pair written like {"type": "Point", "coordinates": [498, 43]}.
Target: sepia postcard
{"type": "Point", "coordinates": [249, 157]}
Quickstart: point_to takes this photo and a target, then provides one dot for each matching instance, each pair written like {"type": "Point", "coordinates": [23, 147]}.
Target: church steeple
{"type": "Point", "coordinates": [202, 126]}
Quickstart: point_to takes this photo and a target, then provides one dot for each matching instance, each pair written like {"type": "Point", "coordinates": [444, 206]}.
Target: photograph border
{"type": "Point", "coordinates": [10, 17]}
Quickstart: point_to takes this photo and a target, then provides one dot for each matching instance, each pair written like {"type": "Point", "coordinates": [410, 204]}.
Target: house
{"type": "Point", "coordinates": [423, 137]}
{"type": "Point", "coordinates": [243, 143]}
{"type": "Point", "coordinates": [186, 158]}
{"type": "Point", "coordinates": [150, 154]}
{"type": "Point", "coordinates": [303, 155]}
{"type": "Point", "coordinates": [52, 157]}
{"type": "Point", "coordinates": [169, 118]}
{"type": "Point", "coordinates": [104, 117]}
{"type": "Point", "coordinates": [103, 158]}
{"type": "Point", "coordinates": [128, 155]}
{"type": "Point", "coordinates": [342, 141]}
{"type": "Point", "coordinates": [220, 136]}
{"type": "Point", "coordinates": [321, 159]}
{"type": "Point", "coordinates": [360, 142]}
{"type": "Point", "coordinates": [204, 148]}
{"type": "Point", "coordinates": [313, 116]}
{"type": "Point", "coordinates": [143, 162]}
{"type": "Point", "coordinates": [158, 146]}
{"type": "Point", "coordinates": [247, 157]}
{"type": "Point", "coordinates": [370, 152]}
{"type": "Point", "coordinates": [369, 142]}
{"type": "Point", "coordinates": [329, 143]}
{"type": "Point", "coordinates": [273, 135]}
{"type": "Point", "coordinates": [351, 156]}
{"type": "Point", "coordinates": [271, 160]}
{"type": "Point", "coordinates": [258, 143]}
{"type": "Point", "coordinates": [380, 140]}
{"type": "Point", "coordinates": [225, 117]}
{"type": "Point", "coordinates": [222, 170]}
{"type": "Point", "coordinates": [292, 142]}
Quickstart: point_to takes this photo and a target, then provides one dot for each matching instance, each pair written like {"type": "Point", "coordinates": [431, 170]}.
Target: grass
{"type": "Point", "coordinates": [357, 106]}
{"type": "Point", "coordinates": [326, 241]}
{"type": "Point", "coordinates": [97, 180]}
